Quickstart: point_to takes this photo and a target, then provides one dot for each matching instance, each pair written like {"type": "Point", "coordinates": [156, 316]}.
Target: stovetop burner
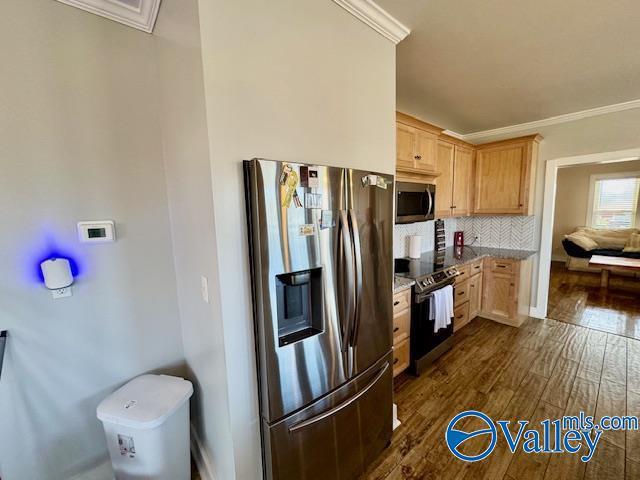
{"type": "Point", "coordinates": [427, 275]}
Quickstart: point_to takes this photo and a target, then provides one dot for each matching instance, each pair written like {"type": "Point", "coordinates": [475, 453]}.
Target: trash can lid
{"type": "Point", "coordinates": [145, 402]}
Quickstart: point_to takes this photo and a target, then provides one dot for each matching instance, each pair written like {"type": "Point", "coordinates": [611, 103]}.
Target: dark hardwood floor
{"type": "Point", "coordinates": [544, 369]}
{"type": "Point", "coordinates": [576, 297]}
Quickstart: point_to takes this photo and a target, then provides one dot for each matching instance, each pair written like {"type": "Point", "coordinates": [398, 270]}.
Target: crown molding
{"type": "Point", "coordinates": [140, 14]}
{"type": "Point", "coordinates": [453, 134]}
{"type": "Point", "coordinates": [377, 18]}
{"type": "Point", "coordinates": [567, 117]}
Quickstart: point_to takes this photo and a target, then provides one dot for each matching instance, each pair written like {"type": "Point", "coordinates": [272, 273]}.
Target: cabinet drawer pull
{"type": "Point", "coordinates": [500, 265]}
{"type": "Point", "coordinates": [461, 293]}
{"type": "Point", "coordinates": [418, 157]}
{"type": "Point", "coordinates": [396, 329]}
{"type": "Point", "coordinates": [477, 267]}
{"type": "Point", "coordinates": [396, 360]}
{"type": "Point", "coordinates": [396, 303]}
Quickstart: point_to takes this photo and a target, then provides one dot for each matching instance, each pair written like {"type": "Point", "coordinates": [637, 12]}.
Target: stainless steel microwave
{"type": "Point", "coordinates": [415, 202]}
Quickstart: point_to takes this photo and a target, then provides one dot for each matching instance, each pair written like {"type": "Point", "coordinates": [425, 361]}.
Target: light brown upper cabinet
{"type": "Point", "coordinates": [416, 146]}
{"type": "Point", "coordinates": [462, 181]}
{"type": "Point", "coordinates": [495, 178]}
{"type": "Point", "coordinates": [454, 185]}
{"type": "Point", "coordinates": [505, 176]}
{"type": "Point", "coordinates": [444, 183]}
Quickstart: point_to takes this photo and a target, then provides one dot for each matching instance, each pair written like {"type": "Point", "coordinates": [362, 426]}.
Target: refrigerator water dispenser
{"type": "Point", "coordinates": [299, 297]}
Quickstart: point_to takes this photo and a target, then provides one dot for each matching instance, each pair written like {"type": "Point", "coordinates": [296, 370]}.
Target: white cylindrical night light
{"type": "Point", "coordinates": [57, 273]}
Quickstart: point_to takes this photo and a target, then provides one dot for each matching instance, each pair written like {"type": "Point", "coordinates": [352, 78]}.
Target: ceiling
{"type": "Point", "coordinates": [472, 65]}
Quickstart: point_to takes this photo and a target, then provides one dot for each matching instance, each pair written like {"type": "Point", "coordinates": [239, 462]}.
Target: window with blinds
{"type": "Point", "coordinates": [615, 202]}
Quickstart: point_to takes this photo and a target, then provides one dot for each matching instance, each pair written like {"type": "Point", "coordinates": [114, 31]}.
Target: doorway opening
{"type": "Point", "coordinates": [590, 264]}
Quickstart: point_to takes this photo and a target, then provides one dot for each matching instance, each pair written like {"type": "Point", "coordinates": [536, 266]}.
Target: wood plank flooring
{"type": "Point", "coordinates": [545, 369]}
{"type": "Point", "coordinates": [576, 298]}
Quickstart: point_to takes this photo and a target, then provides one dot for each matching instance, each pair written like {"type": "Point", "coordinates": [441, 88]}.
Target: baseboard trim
{"type": "Point", "coordinates": [98, 472]}
{"type": "Point", "coordinates": [201, 457]}
{"type": "Point", "coordinates": [535, 312]}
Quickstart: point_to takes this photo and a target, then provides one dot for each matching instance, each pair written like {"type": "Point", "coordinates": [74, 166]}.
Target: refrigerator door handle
{"type": "Point", "coordinates": [345, 281]}
{"type": "Point", "coordinates": [355, 237]}
{"type": "Point", "coordinates": [337, 408]}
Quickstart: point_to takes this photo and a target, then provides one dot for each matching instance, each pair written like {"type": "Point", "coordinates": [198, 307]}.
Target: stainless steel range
{"type": "Point", "coordinates": [426, 343]}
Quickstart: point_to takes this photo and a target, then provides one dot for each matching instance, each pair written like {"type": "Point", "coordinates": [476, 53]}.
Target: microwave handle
{"type": "Point", "coordinates": [429, 208]}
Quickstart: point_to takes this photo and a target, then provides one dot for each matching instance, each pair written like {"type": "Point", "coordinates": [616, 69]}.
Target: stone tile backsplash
{"type": "Point", "coordinates": [500, 232]}
{"type": "Point", "coordinates": [426, 229]}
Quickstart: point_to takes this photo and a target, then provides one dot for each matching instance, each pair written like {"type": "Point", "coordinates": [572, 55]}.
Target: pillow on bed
{"type": "Point", "coordinates": [609, 238]}
{"type": "Point", "coordinates": [582, 241]}
{"type": "Point", "coordinates": [633, 244]}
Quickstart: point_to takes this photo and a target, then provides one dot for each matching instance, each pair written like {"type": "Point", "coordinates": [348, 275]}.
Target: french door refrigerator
{"type": "Point", "coordinates": [321, 256]}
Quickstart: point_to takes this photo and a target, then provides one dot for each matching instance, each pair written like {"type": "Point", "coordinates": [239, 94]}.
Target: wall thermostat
{"type": "Point", "coordinates": [102, 231]}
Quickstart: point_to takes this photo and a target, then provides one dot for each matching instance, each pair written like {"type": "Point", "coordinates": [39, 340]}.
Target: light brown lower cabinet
{"type": "Point", "coordinates": [401, 330]}
{"type": "Point", "coordinates": [400, 357]}
{"type": "Point", "coordinates": [493, 288]}
{"type": "Point", "coordinates": [461, 316]}
{"type": "Point", "coordinates": [475, 295]}
{"type": "Point", "coordinates": [506, 296]}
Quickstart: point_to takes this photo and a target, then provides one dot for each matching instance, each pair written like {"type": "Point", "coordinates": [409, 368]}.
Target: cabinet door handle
{"type": "Point", "coordinates": [461, 293]}
{"type": "Point", "coordinates": [396, 329]}
{"type": "Point", "coordinates": [396, 360]}
{"type": "Point", "coordinates": [418, 157]}
{"type": "Point", "coordinates": [521, 205]}
{"type": "Point", "coordinates": [396, 303]}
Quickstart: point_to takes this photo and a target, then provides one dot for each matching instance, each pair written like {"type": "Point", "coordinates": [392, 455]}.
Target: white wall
{"type": "Point", "coordinates": [79, 140]}
{"type": "Point", "coordinates": [298, 80]}
{"type": "Point", "coordinates": [604, 133]}
{"type": "Point", "coordinates": [572, 198]}
{"type": "Point", "coordinates": [186, 155]}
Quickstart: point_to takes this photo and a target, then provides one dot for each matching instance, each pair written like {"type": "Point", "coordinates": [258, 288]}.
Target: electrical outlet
{"type": "Point", "coordinates": [61, 293]}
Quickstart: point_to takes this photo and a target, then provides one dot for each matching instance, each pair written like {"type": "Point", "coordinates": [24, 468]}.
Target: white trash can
{"type": "Point", "coordinates": [147, 427]}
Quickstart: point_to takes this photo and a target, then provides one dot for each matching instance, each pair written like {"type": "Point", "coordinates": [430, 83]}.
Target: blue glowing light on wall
{"type": "Point", "coordinates": [75, 270]}
{"type": "Point", "coordinates": [51, 249]}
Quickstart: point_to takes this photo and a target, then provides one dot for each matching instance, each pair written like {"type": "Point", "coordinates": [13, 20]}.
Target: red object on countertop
{"type": "Point", "coordinates": [458, 239]}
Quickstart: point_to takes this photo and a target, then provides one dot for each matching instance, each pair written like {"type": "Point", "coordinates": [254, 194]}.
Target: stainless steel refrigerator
{"type": "Point", "coordinates": [321, 254]}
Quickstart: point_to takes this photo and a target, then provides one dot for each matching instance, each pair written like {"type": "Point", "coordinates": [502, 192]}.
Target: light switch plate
{"type": "Point", "coordinates": [204, 288]}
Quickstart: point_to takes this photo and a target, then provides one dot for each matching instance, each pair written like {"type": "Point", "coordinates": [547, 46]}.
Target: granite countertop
{"type": "Point", "coordinates": [414, 268]}
{"type": "Point", "coordinates": [402, 283]}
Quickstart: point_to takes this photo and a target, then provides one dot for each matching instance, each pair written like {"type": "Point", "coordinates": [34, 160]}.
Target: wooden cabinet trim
{"type": "Point", "coordinates": [402, 301]}
{"type": "Point", "coordinates": [401, 326]}
{"type": "Point", "coordinates": [509, 141]}
{"type": "Point", "coordinates": [416, 123]}
{"type": "Point", "coordinates": [400, 357]}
